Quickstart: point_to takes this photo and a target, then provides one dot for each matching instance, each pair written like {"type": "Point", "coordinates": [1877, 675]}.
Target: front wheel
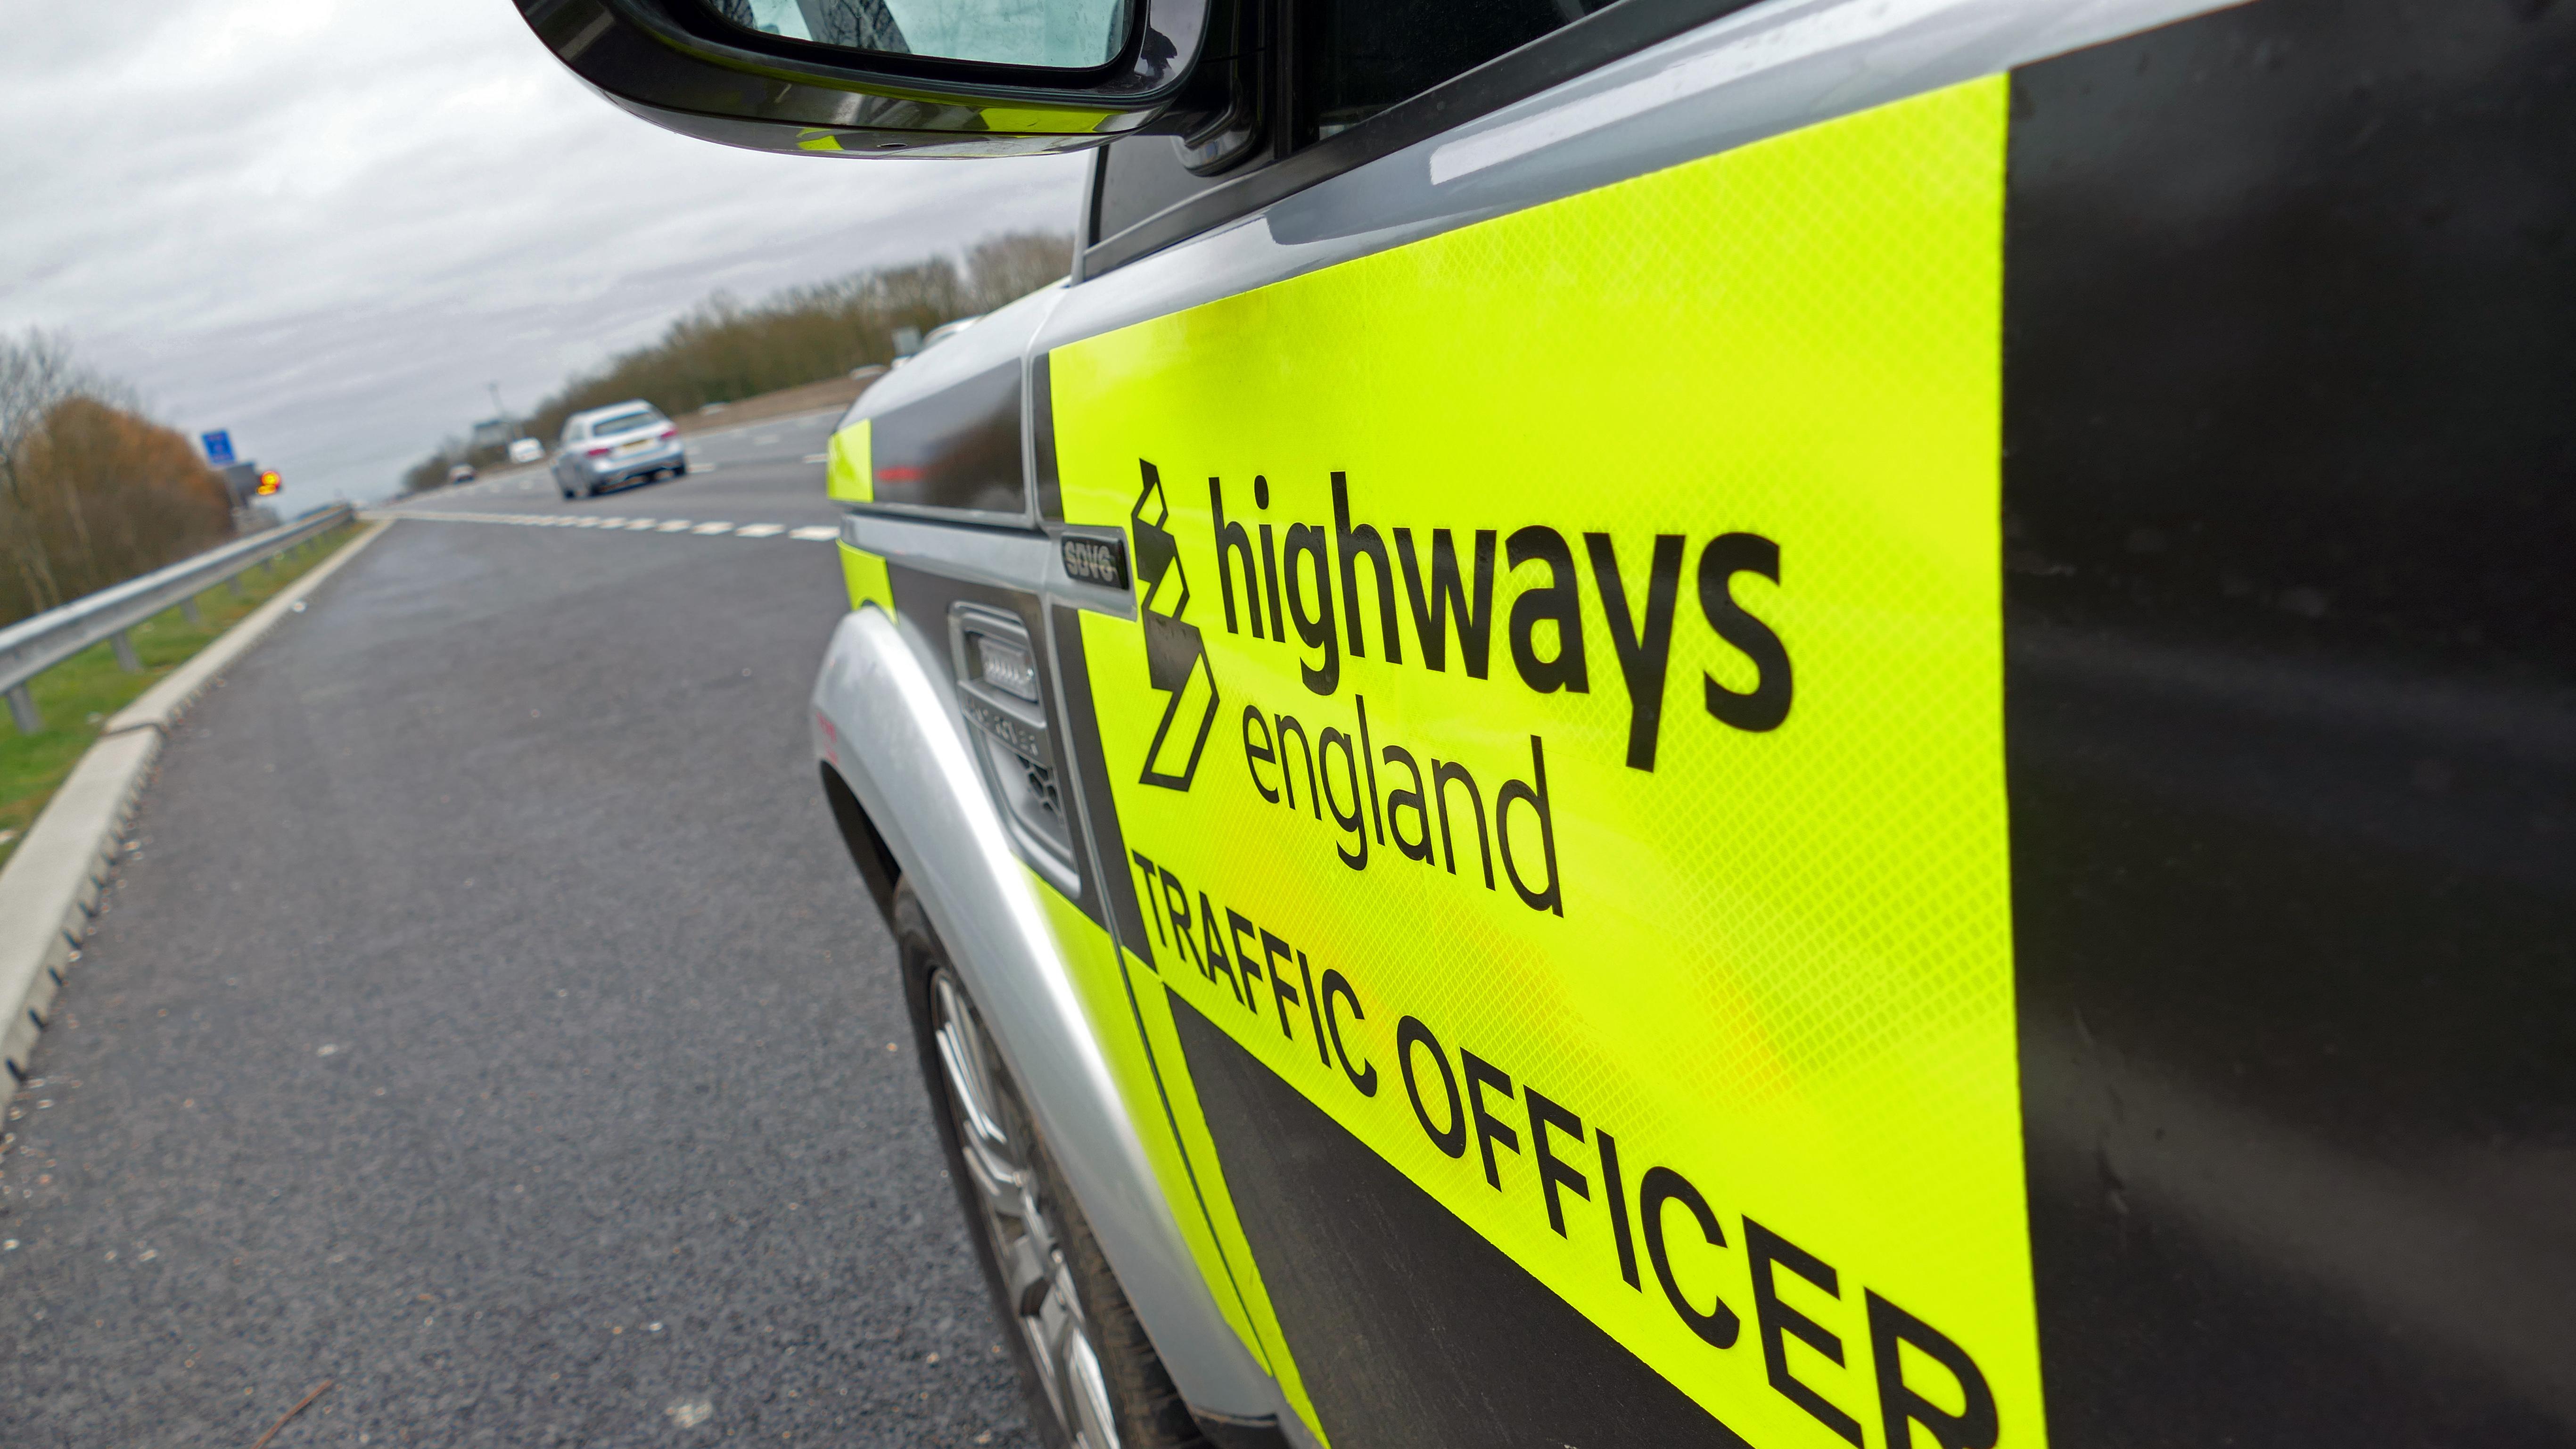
{"type": "Point", "coordinates": [1091, 1376]}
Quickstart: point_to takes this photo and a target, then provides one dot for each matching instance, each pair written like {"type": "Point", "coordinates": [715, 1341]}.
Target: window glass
{"type": "Point", "coordinates": [1068, 34]}
{"type": "Point", "coordinates": [624, 423]}
{"type": "Point", "coordinates": [1355, 58]}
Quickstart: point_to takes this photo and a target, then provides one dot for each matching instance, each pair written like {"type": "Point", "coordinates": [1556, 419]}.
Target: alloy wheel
{"type": "Point", "coordinates": [997, 1142]}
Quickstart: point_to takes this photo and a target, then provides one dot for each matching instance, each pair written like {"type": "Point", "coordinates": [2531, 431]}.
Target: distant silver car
{"type": "Point", "coordinates": [607, 447]}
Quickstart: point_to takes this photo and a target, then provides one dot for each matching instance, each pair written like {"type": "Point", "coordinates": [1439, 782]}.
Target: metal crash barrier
{"type": "Point", "coordinates": [32, 646]}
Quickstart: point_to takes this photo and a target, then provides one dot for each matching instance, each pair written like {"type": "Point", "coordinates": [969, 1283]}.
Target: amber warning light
{"type": "Point", "coordinates": [268, 482]}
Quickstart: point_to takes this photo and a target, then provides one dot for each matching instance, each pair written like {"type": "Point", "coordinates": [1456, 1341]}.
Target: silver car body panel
{"type": "Point", "coordinates": [903, 752]}
{"type": "Point", "coordinates": [1758, 73]}
{"type": "Point", "coordinates": [647, 460]}
{"type": "Point", "coordinates": [997, 338]}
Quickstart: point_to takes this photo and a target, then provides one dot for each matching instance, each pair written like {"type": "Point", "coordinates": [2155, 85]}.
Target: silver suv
{"type": "Point", "coordinates": [1785, 723]}
{"type": "Point", "coordinates": [606, 447]}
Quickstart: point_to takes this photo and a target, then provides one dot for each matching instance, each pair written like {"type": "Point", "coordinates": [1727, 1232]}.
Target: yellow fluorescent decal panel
{"type": "Point", "coordinates": [848, 471]}
{"type": "Point", "coordinates": [1133, 1023]}
{"type": "Point", "coordinates": [1759, 936]}
{"type": "Point", "coordinates": [1044, 122]}
{"type": "Point", "coordinates": [865, 574]}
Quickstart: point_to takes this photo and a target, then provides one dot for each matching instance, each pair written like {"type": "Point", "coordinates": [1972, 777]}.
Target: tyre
{"type": "Point", "coordinates": [1092, 1378]}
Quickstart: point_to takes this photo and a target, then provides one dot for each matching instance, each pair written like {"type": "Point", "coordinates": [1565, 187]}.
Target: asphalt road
{"type": "Point", "coordinates": [490, 1022]}
{"type": "Point", "coordinates": [767, 472]}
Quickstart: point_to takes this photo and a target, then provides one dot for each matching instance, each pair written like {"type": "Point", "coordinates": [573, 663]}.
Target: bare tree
{"type": "Point", "coordinates": [1008, 267]}
{"type": "Point", "coordinates": [36, 373]}
{"type": "Point", "coordinates": [91, 491]}
{"type": "Point", "coordinates": [723, 349]}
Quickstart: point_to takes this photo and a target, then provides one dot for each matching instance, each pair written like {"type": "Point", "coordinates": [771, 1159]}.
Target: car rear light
{"type": "Point", "coordinates": [596, 452]}
{"type": "Point", "coordinates": [670, 432]}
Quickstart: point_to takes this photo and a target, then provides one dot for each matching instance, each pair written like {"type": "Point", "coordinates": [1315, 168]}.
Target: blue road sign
{"type": "Point", "coordinates": [219, 446]}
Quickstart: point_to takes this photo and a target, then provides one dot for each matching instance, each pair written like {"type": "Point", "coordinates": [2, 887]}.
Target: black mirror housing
{"type": "Point", "coordinates": [675, 64]}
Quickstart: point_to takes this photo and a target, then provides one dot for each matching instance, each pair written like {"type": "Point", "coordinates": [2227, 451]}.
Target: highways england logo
{"type": "Point", "coordinates": [1176, 661]}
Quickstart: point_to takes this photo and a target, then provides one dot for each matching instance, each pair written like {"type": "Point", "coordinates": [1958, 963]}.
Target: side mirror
{"type": "Point", "coordinates": [882, 77]}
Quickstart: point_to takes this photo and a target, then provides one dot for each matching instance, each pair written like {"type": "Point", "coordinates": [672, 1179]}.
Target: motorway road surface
{"type": "Point", "coordinates": [489, 1021]}
{"type": "Point", "coordinates": [767, 472]}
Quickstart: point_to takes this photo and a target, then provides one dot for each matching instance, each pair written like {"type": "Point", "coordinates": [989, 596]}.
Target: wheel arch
{"type": "Point", "coordinates": [910, 805]}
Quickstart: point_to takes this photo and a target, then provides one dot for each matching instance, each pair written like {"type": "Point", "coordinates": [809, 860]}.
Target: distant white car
{"type": "Point", "coordinates": [461, 473]}
{"type": "Point", "coordinates": [526, 450]}
{"type": "Point", "coordinates": [606, 447]}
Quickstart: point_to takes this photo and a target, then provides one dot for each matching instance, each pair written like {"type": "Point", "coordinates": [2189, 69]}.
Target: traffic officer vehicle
{"type": "Point", "coordinates": [608, 447]}
{"type": "Point", "coordinates": [1825, 722]}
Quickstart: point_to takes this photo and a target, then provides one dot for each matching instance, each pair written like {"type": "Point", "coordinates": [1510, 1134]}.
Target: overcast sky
{"type": "Point", "coordinates": [327, 224]}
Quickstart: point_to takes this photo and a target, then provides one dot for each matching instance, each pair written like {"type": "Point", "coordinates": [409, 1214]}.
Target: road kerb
{"type": "Point", "coordinates": [164, 703]}
{"type": "Point", "coordinates": [49, 889]}
{"type": "Point", "coordinates": [51, 886]}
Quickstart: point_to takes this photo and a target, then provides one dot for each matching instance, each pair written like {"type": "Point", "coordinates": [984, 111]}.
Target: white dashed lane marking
{"type": "Point", "coordinates": [812, 533]}
{"type": "Point", "coordinates": [818, 457]}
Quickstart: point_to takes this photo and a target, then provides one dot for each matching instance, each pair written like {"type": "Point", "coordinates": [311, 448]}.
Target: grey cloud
{"type": "Point", "coordinates": [327, 224]}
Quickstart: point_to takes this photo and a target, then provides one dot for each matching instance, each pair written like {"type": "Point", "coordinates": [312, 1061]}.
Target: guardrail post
{"type": "Point", "coordinates": [31, 646]}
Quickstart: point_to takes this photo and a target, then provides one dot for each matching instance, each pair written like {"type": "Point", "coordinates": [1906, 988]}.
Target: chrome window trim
{"type": "Point", "coordinates": [1004, 558]}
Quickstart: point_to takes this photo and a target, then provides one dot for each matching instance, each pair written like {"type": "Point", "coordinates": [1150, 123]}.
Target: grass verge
{"type": "Point", "coordinates": [78, 695]}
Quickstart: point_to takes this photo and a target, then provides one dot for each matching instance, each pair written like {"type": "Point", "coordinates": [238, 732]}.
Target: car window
{"type": "Point", "coordinates": [1350, 60]}
{"type": "Point", "coordinates": [624, 423]}
{"type": "Point", "coordinates": [1355, 58]}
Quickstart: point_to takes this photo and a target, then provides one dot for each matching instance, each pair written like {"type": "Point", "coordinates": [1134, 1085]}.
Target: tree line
{"type": "Point", "coordinates": [92, 492]}
{"type": "Point", "coordinates": [723, 350]}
